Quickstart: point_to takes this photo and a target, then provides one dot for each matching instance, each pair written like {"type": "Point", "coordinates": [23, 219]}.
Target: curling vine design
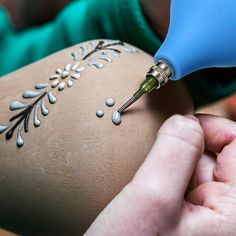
{"type": "Point", "coordinates": [94, 53]}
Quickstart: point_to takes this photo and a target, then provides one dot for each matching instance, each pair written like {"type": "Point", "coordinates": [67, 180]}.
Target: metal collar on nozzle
{"type": "Point", "coordinates": [157, 76]}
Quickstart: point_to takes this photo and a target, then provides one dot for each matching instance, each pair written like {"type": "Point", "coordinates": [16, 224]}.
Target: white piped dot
{"type": "Point", "coordinates": [99, 113]}
{"type": "Point", "coordinates": [110, 102]}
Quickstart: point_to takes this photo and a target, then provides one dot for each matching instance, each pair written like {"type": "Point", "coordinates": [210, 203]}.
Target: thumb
{"type": "Point", "coordinates": [170, 164]}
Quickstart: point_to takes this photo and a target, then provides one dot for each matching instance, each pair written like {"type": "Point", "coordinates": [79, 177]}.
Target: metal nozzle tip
{"type": "Point", "coordinates": [127, 104]}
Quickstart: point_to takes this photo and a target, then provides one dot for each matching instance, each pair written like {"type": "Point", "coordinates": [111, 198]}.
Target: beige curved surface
{"type": "Point", "coordinates": [74, 163]}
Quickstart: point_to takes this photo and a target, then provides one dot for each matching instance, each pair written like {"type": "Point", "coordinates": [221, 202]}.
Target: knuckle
{"type": "Point", "coordinates": [184, 130]}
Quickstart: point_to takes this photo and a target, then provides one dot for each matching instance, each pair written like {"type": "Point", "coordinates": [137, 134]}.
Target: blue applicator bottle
{"type": "Point", "coordinates": [202, 34]}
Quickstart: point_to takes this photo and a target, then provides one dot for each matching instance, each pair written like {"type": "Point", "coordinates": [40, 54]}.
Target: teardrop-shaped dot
{"type": "Point", "coordinates": [75, 55]}
{"type": "Point", "coordinates": [16, 105]}
{"type": "Point", "coordinates": [61, 86]}
{"type": "Point", "coordinates": [44, 109]}
{"type": "Point", "coordinates": [84, 50]}
{"type": "Point", "coordinates": [64, 74]}
{"type": "Point", "coordinates": [80, 69]}
{"type": "Point", "coordinates": [56, 76]}
{"type": "Point", "coordinates": [105, 58]}
{"type": "Point", "coordinates": [98, 65]}
{"type": "Point", "coordinates": [116, 118]}
{"type": "Point", "coordinates": [37, 122]}
{"type": "Point", "coordinates": [31, 94]}
{"type": "Point", "coordinates": [58, 71]}
{"type": "Point", "coordinates": [20, 141]}
{"type": "Point", "coordinates": [55, 83]}
{"type": "Point", "coordinates": [68, 67]}
{"type": "Point", "coordinates": [70, 83]}
{"type": "Point", "coordinates": [114, 54]}
{"type": "Point", "coordinates": [75, 76]}
{"type": "Point", "coordinates": [3, 128]}
{"type": "Point", "coordinates": [75, 66]}
{"type": "Point", "coordinates": [51, 97]}
{"type": "Point", "coordinates": [41, 86]}
{"type": "Point", "coordinates": [130, 49]}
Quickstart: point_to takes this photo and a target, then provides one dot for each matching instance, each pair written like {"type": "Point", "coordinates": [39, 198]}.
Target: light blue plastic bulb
{"type": "Point", "coordinates": [202, 34]}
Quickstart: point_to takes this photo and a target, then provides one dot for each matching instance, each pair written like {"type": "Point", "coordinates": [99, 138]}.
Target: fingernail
{"type": "Point", "coordinates": [191, 117]}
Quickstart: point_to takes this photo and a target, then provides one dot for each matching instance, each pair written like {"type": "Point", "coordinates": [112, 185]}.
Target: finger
{"type": "Point", "coordinates": [205, 168]}
{"type": "Point", "coordinates": [204, 171]}
{"type": "Point", "coordinates": [225, 169]}
{"type": "Point", "coordinates": [170, 164]}
{"type": "Point", "coordinates": [208, 195]}
{"type": "Point", "coordinates": [199, 220]}
{"type": "Point", "coordinates": [218, 131]}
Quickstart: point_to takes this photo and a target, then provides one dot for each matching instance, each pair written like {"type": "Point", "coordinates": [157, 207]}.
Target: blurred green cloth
{"type": "Point", "coordinates": [91, 19]}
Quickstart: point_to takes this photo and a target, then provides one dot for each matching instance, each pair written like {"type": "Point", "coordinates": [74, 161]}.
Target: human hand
{"type": "Point", "coordinates": [155, 202]}
{"type": "Point", "coordinates": [157, 13]}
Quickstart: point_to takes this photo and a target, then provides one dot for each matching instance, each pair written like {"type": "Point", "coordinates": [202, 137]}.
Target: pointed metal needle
{"type": "Point", "coordinates": [157, 76]}
{"type": "Point", "coordinates": [127, 104]}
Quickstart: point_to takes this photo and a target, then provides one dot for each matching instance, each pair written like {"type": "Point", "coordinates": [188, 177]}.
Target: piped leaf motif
{"type": "Point", "coordinates": [94, 53]}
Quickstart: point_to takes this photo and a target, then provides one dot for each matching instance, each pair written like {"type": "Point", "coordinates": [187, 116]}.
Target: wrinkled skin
{"type": "Point", "coordinates": [155, 202]}
{"type": "Point", "coordinates": [74, 164]}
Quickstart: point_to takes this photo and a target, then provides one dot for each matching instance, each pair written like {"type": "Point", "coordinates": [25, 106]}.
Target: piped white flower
{"type": "Point", "coordinates": [66, 76]}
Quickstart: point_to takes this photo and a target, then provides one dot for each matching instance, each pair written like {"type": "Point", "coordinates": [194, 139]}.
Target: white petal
{"type": "Point", "coordinates": [75, 76]}
{"type": "Point", "coordinates": [59, 71]}
{"type": "Point", "coordinates": [54, 77]}
{"type": "Point", "coordinates": [80, 69]}
{"type": "Point", "coordinates": [70, 83]}
{"type": "Point", "coordinates": [74, 67]}
{"type": "Point", "coordinates": [55, 83]}
{"type": "Point", "coordinates": [61, 86]}
{"type": "Point", "coordinates": [64, 74]}
{"type": "Point", "coordinates": [68, 67]}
